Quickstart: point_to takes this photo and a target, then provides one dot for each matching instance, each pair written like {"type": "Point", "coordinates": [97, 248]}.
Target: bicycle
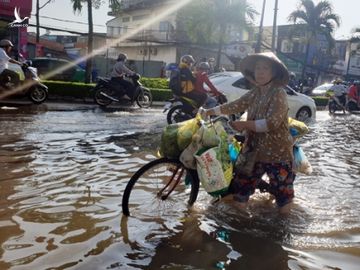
{"type": "Point", "coordinates": [160, 182]}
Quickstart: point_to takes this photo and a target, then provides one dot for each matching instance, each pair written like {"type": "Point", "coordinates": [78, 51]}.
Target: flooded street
{"type": "Point", "coordinates": [64, 172]}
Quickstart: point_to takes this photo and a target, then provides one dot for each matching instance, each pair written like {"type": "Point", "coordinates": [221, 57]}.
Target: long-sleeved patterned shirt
{"type": "Point", "coordinates": [276, 144]}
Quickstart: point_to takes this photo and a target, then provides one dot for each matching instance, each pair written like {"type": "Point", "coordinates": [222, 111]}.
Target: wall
{"type": "Point", "coordinates": [18, 35]}
{"type": "Point", "coordinates": [7, 7]}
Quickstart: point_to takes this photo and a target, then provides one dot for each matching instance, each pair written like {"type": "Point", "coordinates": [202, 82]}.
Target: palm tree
{"type": "Point", "coordinates": [207, 21]}
{"type": "Point", "coordinates": [77, 6]}
{"type": "Point", "coordinates": [315, 20]}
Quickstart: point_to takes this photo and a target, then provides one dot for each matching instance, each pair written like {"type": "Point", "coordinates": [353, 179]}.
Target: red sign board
{"type": "Point", "coordinates": [7, 7]}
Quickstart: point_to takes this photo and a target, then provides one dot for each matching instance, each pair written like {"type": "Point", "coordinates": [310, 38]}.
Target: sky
{"type": "Point", "coordinates": [348, 10]}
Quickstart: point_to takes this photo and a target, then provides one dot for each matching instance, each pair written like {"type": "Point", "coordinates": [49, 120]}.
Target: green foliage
{"type": "Point", "coordinates": [161, 94]}
{"type": "Point", "coordinates": [78, 4]}
{"type": "Point", "coordinates": [159, 83]}
{"type": "Point", "coordinates": [59, 89]}
{"type": "Point", "coordinates": [69, 89]}
{"type": "Point", "coordinates": [321, 101]}
{"type": "Point", "coordinates": [206, 20]}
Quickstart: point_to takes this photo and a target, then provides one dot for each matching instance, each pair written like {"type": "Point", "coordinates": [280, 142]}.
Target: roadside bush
{"type": "Point", "coordinates": [161, 94]}
{"type": "Point", "coordinates": [158, 87]}
{"type": "Point", "coordinates": [321, 101]}
{"type": "Point", "coordinates": [156, 83]}
{"type": "Point", "coordinates": [59, 89]}
{"type": "Point", "coordinates": [68, 89]}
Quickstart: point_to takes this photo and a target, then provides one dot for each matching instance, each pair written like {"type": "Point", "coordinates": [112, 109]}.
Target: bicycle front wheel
{"type": "Point", "coordinates": [161, 187]}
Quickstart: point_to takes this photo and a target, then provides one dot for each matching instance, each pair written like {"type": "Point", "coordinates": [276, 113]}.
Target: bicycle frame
{"type": "Point", "coordinates": [177, 180]}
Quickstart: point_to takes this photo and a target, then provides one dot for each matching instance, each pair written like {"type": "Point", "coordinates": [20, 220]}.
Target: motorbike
{"type": "Point", "coordinates": [106, 93]}
{"type": "Point", "coordinates": [334, 106]}
{"type": "Point", "coordinates": [353, 106]}
{"type": "Point", "coordinates": [30, 85]}
{"type": "Point", "coordinates": [181, 108]}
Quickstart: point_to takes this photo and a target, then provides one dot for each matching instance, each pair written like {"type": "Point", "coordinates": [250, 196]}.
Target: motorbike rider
{"type": "Point", "coordinates": [5, 49]}
{"type": "Point", "coordinates": [340, 93]}
{"type": "Point", "coordinates": [188, 81]}
{"type": "Point", "coordinates": [354, 96]}
{"type": "Point", "coordinates": [202, 78]}
{"type": "Point", "coordinates": [117, 77]}
{"type": "Point", "coordinates": [292, 81]}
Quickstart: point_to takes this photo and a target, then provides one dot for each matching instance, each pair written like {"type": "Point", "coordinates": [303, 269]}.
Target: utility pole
{"type": "Point", "coordinates": [274, 32]}
{"type": "Point", "coordinates": [37, 22]}
{"type": "Point", "coordinates": [37, 15]}
{"type": "Point", "coordinates": [259, 39]}
{"type": "Point", "coordinates": [348, 62]}
{"type": "Point", "coordinates": [90, 44]}
{"type": "Point", "coordinates": [38, 19]}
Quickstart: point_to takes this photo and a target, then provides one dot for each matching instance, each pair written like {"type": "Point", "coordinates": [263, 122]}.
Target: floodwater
{"type": "Point", "coordinates": [61, 184]}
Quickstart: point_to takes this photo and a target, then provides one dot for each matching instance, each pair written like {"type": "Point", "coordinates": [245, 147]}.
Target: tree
{"type": "Point", "coordinates": [77, 6]}
{"type": "Point", "coordinates": [315, 20]}
{"type": "Point", "coordinates": [207, 21]}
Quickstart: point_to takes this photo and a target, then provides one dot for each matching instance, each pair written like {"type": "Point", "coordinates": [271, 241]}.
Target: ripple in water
{"type": "Point", "coordinates": [61, 195]}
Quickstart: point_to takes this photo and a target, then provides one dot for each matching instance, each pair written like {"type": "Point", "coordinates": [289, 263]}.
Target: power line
{"type": "Point", "coordinates": [63, 30]}
{"type": "Point", "coordinates": [70, 21]}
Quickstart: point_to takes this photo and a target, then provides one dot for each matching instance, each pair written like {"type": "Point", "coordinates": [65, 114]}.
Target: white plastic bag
{"type": "Point", "coordinates": [208, 135]}
{"type": "Point", "coordinates": [215, 170]}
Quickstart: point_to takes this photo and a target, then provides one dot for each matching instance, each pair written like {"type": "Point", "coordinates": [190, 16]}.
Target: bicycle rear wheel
{"type": "Point", "coordinates": [158, 188]}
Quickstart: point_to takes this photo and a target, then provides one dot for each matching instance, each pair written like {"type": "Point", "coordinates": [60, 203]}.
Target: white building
{"type": "Point", "coordinates": [164, 40]}
{"type": "Point", "coordinates": [154, 43]}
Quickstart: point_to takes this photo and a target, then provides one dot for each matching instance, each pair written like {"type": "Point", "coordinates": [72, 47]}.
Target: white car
{"type": "Point", "coordinates": [321, 89]}
{"type": "Point", "coordinates": [233, 85]}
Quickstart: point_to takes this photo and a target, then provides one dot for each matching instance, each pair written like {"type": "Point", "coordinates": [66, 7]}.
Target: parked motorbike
{"type": "Point", "coordinates": [353, 106]}
{"type": "Point", "coordinates": [105, 93]}
{"type": "Point", "coordinates": [181, 108]}
{"type": "Point", "coordinates": [30, 85]}
{"type": "Point", "coordinates": [334, 106]}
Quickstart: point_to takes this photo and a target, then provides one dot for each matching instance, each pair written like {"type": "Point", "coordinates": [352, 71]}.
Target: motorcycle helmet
{"type": "Point", "coordinates": [203, 66]}
{"type": "Point", "coordinates": [337, 81]}
{"type": "Point", "coordinates": [187, 59]}
{"type": "Point", "coordinates": [122, 57]}
{"type": "Point", "coordinates": [6, 43]}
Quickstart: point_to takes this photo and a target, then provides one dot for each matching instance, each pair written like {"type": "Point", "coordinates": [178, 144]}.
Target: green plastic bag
{"type": "Point", "coordinates": [176, 137]}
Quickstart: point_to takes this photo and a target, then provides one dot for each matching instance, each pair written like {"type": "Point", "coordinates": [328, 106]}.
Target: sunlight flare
{"type": "Point", "coordinates": [162, 14]}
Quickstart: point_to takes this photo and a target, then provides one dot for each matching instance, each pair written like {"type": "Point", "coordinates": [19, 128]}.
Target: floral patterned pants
{"type": "Point", "coordinates": [281, 182]}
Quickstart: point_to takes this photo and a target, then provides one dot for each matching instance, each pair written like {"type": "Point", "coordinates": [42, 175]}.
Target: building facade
{"type": "Point", "coordinates": [159, 43]}
{"type": "Point", "coordinates": [155, 42]}
{"type": "Point", "coordinates": [352, 58]}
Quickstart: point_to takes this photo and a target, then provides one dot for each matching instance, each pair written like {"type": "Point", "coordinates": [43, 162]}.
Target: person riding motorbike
{"type": "Point", "coordinates": [340, 93]}
{"type": "Point", "coordinates": [202, 78]}
{"type": "Point", "coordinates": [117, 80]}
{"type": "Point", "coordinates": [5, 49]}
{"type": "Point", "coordinates": [188, 81]}
{"type": "Point", "coordinates": [354, 97]}
{"type": "Point", "coordinates": [292, 81]}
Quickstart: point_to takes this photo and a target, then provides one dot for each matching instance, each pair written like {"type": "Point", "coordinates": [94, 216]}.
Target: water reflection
{"type": "Point", "coordinates": [61, 189]}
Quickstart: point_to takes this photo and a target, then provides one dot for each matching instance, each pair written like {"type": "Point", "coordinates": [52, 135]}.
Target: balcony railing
{"type": "Point", "coordinates": [137, 4]}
